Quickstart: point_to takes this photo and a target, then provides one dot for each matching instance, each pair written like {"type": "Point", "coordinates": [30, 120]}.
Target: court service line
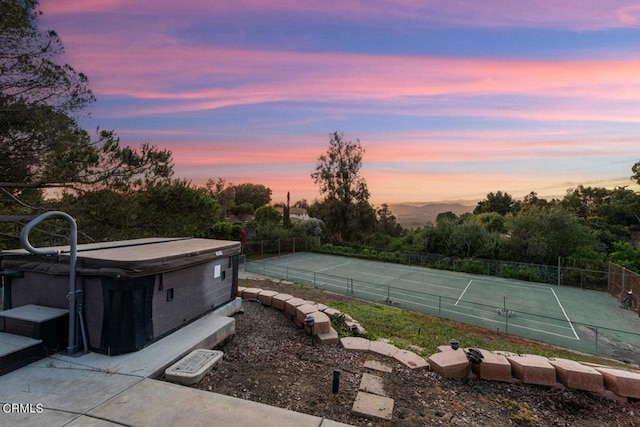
{"type": "Point", "coordinates": [332, 267]}
{"type": "Point", "coordinates": [395, 278]}
{"type": "Point", "coordinates": [565, 314]}
{"type": "Point", "coordinates": [465, 290]}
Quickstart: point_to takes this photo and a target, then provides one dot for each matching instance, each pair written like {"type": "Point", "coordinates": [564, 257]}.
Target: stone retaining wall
{"type": "Point", "coordinates": [606, 381]}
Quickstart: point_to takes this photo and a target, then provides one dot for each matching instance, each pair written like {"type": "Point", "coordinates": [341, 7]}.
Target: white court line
{"type": "Point", "coordinates": [565, 314]}
{"type": "Point", "coordinates": [465, 290]}
{"type": "Point", "coordinates": [395, 278]}
{"type": "Point", "coordinates": [332, 267]}
{"type": "Point", "coordinates": [500, 322]}
{"type": "Point", "coordinates": [429, 274]}
{"type": "Point", "coordinates": [534, 286]}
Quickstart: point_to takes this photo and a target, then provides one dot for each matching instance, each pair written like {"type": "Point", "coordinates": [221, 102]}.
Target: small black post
{"type": "Point", "coordinates": [336, 381]}
{"type": "Point", "coordinates": [309, 321]}
{"type": "Point", "coordinates": [354, 330]}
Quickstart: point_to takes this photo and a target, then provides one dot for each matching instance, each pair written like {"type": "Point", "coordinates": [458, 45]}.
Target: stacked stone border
{"type": "Point", "coordinates": [605, 381]}
{"type": "Point", "coordinates": [297, 310]}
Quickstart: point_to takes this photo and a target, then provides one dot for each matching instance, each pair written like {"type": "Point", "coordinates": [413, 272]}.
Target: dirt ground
{"type": "Point", "coordinates": [269, 360]}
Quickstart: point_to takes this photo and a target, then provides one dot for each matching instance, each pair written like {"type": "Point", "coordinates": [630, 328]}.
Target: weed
{"type": "Point", "coordinates": [521, 413]}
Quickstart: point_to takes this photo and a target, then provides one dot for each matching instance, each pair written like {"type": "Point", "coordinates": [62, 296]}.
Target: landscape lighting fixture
{"type": "Point", "coordinates": [454, 344]}
{"type": "Point", "coordinates": [309, 321]}
{"type": "Point", "coordinates": [336, 381]}
{"type": "Point", "coordinates": [354, 330]}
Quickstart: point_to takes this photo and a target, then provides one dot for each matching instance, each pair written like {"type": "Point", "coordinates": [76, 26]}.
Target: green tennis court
{"type": "Point", "coordinates": [556, 315]}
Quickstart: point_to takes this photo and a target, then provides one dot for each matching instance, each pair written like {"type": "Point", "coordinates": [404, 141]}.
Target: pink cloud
{"type": "Point", "coordinates": [405, 174]}
{"type": "Point", "coordinates": [246, 77]}
{"type": "Point", "coordinates": [568, 14]}
{"type": "Point", "coordinates": [135, 52]}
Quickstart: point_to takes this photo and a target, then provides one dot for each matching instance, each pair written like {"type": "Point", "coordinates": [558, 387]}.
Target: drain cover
{"type": "Point", "coordinates": [193, 367]}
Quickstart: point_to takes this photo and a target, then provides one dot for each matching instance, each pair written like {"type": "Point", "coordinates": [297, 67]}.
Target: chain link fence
{"type": "Point", "coordinates": [585, 274]}
{"type": "Point", "coordinates": [621, 281]}
{"type": "Point", "coordinates": [509, 319]}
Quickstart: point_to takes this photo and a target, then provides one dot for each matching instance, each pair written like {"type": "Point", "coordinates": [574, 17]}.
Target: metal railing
{"type": "Point", "coordinates": [74, 296]}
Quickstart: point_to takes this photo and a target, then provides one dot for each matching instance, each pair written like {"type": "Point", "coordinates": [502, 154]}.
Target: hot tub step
{"type": "Point", "coordinates": [17, 351]}
{"type": "Point", "coordinates": [48, 324]}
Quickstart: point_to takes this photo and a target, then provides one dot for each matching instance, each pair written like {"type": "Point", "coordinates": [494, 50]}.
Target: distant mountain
{"type": "Point", "coordinates": [416, 215]}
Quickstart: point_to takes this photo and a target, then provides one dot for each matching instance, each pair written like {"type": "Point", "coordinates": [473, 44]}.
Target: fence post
{"type": "Point", "coordinates": [596, 339]}
{"type": "Point", "coordinates": [287, 273]}
{"type": "Point", "coordinates": [314, 278]}
{"type": "Point", "coordinates": [559, 269]}
{"type": "Point", "coordinates": [439, 305]}
{"type": "Point", "coordinates": [506, 322]}
{"type": "Point", "coordinates": [294, 245]}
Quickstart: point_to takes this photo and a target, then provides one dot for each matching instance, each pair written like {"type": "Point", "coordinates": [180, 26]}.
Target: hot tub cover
{"type": "Point", "coordinates": [126, 258]}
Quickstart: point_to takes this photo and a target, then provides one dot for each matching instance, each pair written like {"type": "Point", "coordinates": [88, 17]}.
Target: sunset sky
{"type": "Point", "coordinates": [450, 99]}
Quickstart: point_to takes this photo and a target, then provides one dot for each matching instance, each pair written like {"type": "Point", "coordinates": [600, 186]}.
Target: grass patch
{"type": "Point", "coordinates": [406, 329]}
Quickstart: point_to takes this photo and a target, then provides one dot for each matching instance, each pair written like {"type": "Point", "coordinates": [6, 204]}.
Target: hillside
{"type": "Point", "coordinates": [271, 361]}
{"type": "Point", "coordinates": [416, 215]}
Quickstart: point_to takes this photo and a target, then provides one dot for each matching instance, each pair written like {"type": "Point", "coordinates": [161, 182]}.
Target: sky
{"type": "Point", "coordinates": [451, 100]}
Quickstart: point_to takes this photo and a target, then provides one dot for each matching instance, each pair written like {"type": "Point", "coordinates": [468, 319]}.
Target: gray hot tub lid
{"type": "Point", "coordinates": [131, 258]}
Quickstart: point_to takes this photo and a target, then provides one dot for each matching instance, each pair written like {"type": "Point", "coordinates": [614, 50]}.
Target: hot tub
{"type": "Point", "coordinates": [134, 291]}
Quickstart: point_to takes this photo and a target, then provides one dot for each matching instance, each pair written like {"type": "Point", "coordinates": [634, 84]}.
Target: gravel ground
{"type": "Point", "coordinates": [271, 361]}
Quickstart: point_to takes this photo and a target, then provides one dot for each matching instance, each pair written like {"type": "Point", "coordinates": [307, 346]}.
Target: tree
{"type": "Point", "coordinates": [286, 213]}
{"type": "Point", "coordinates": [123, 169]}
{"type": "Point", "coordinates": [242, 210]}
{"type": "Point", "coordinates": [302, 204]}
{"type": "Point", "coordinates": [256, 194]}
{"type": "Point", "coordinates": [621, 207]}
{"type": "Point", "coordinates": [445, 216]}
{"type": "Point", "coordinates": [29, 73]}
{"type": "Point", "coordinates": [542, 235]}
{"type": "Point", "coordinates": [584, 201]}
{"type": "Point", "coordinates": [499, 202]}
{"type": "Point", "coordinates": [224, 193]}
{"type": "Point", "coordinates": [532, 199]}
{"type": "Point", "coordinates": [636, 173]}
{"type": "Point", "coordinates": [387, 223]}
{"type": "Point", "coordinates": [267, 215]}
{"type": "Point", "coordinates": [491, 221]}
{"type": "Point", "coordinates": [41, 143]}
{"type": "Point", "coordinates": [173, 209]}
{"type": "Point", "coordinates": [176, 208]}
{"type": "Point", "coordinates": [626, 255]}
{"type": "Point", "coordinates": [346, 209]}
{"type": "Point", "coordinates": [434, 239]}
{"type": "Point", "coordinates": [469, 239]}
{"type": "Point", "coordinates": [312, 227]}
{"type": "Point", "coordinates": [39, 99]}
